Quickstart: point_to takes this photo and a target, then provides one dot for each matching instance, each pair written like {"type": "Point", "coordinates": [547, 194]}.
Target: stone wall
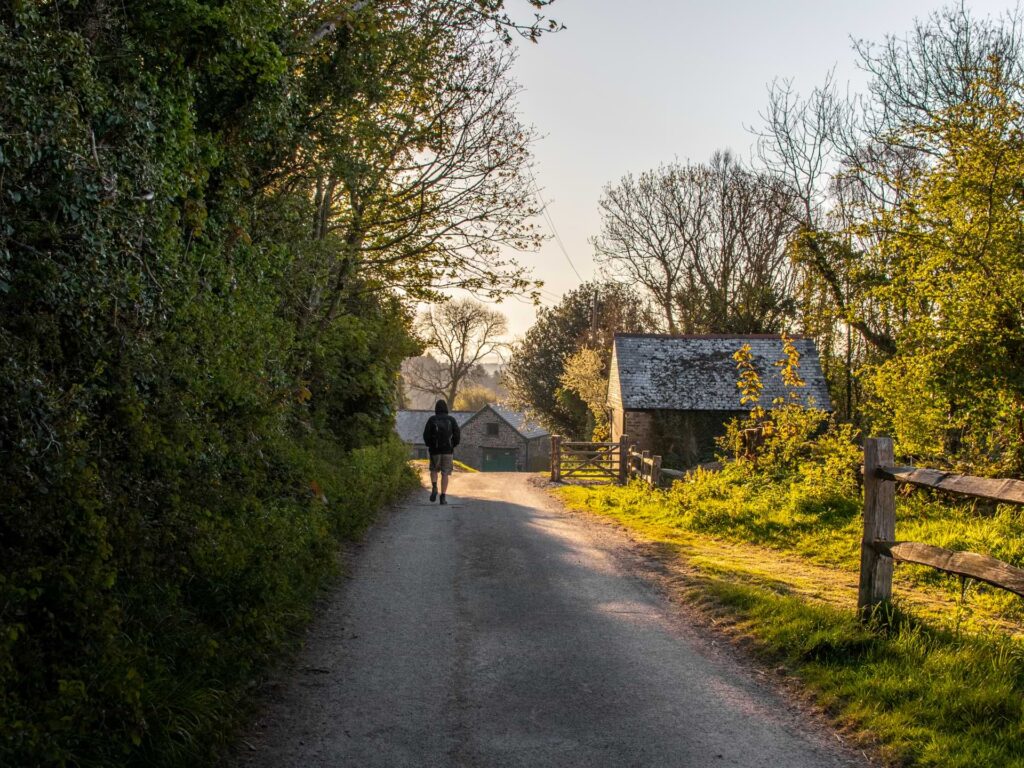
{"type": "Point", "coordinates": [686, 438]}
{"type": "Point", "coordinates": [639, 428]}
{"type": "Point", "coordinates": [487, 430]}
{"type": "Point", "coordinates": [682, 438]}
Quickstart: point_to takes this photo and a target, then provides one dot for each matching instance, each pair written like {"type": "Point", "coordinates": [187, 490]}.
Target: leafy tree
{"type": "Point", "coordinates": [590, 315]}
{"type": "Point", "coordinates": [958, 277]}
{"type": "Point", "coordinates": [847, 161]}
{"type": "Point", "coordinates": [415, 173]}
{"type": "Point", "coordinates": [586, 375]}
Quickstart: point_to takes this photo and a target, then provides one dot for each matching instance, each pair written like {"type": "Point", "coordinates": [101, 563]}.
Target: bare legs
{"type": "Point", "coordinates": [444, 480]}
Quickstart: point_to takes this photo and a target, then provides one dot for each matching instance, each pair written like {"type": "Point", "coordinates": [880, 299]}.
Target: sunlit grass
{"type": "Point", "coordinates": [422, 465]}
{"type": "Point", "coordinates": [777, 563]}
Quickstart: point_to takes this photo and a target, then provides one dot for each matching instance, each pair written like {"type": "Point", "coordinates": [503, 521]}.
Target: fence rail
{"type": "Point", "coordinates": [879, 548]}
{"type": "Point", "coordinates": [642, 465]}
{"type": "Point", "coordinates": [1008, 491]}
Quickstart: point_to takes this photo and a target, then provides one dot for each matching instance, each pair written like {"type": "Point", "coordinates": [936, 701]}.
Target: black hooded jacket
{"type": "Point", "coordinates": [441, 434]}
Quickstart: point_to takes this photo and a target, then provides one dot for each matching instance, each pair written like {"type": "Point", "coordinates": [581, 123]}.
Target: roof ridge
{"type": "Point", "coordinates": [426, 410]}
{"type": "Point", "coordinates": [684, 336]}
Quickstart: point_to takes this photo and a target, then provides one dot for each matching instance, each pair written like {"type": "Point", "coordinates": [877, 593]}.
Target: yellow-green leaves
{"type": "Point", "coordinates": [955, 249]}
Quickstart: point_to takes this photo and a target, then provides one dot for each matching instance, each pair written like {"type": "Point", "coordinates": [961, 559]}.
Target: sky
{"type": "Point", "coordinates": [630, 85]}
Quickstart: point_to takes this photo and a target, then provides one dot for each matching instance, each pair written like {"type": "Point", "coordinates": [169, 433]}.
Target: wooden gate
{"type": "Point", "coordinates": [592, 462]}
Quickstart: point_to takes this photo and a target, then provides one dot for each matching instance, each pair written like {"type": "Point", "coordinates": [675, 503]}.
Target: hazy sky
{"type": "Point", "coordinates": [629, 85]}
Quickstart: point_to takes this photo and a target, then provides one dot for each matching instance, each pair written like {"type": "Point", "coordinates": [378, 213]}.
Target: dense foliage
{"type": "Point", "coordinates": [588, 316]}
{"type": "Point", "coordinates": [908, 236]}
{"type": "Point", "coordinates": [205, 209]}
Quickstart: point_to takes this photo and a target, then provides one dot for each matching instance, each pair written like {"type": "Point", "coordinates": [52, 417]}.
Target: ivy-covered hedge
{"type": "Point", "coordinates": [182, 444]}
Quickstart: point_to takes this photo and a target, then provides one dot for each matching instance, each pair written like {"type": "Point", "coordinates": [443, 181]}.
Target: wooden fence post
{"type": "Point", "coordinates": [623, 459]}
{"type": "Point", "coordinates": [656, 472]}
{"type": "Point", "coordinates": [556, 458]}
{"type": "Point", "coordinates": [630, 462]}
{"type": "Point", "coordinates": [644, 456]}
{"type": "Point", "coordinates": [879, 525]}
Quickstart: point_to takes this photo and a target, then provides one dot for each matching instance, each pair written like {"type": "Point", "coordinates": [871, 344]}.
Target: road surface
{"type": "Point", "coordinates": [503, 631]}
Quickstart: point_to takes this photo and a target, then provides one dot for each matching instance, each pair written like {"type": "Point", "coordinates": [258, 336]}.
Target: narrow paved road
{"type": "Point", "coordinates": [501, 631]}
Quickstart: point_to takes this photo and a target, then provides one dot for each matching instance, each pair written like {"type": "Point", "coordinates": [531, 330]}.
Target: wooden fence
{"type": "Point", "coordinates": [647, 467]}
{"type": "Point", "coordinates": [879, 548]}
{"type": "Point", "coordinates": [588, 460]}
{"type": "Point", "coordinates": [616, 462]}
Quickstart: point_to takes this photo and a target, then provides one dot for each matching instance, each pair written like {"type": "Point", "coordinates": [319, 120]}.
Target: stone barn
{"type": "Point", "coordinates": [672, 395]}
{"type": "Point", "coordinates": [494, 439]}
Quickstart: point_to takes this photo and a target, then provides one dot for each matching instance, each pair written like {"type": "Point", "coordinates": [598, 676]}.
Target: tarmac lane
{"type": "Point", "coordinates": [500, 630]}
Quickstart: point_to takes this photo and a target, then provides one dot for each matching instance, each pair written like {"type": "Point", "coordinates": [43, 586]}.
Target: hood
{"type": "Point", "coordinates": [440, 407]}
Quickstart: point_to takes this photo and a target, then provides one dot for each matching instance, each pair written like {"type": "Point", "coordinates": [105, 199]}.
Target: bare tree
{"type": "Point", "coordinates": [707, 241]}
{"type": "Point", "coordinates": [460, 334]}
{"type": "Point", "coordinates": [845, 160]}
{"type": "Point", "coordinates": [803, 146]}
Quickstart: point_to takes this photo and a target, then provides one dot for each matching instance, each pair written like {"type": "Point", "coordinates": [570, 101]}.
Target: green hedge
{"type": "Point", "coordinates": [172, 647]}
{"type": "Point", "coordinates": [183, 441]}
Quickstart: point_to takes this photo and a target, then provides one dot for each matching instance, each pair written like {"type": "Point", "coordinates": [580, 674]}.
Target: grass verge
{"type": "Point", "coordinates": [423, 465]}
{"type": "Point", "coordinates": [942, 686]}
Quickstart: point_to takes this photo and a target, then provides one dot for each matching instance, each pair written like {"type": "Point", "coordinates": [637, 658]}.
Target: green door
{"type": "Point", "coordinates": [499, 460]}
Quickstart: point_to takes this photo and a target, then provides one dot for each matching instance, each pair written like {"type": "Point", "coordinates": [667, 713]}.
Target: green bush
{"type": "Point", "coordinates": [181, 449]}
{"type": "Point", "coordinates": [163, 667]}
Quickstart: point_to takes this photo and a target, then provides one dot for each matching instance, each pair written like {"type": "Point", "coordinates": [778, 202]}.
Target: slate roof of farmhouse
{"type": "Point", "coordinates": [520, 422]}
{"type": "Point", "coordinates": [697, 373]}
{"type": "Point", "coordinates": [409, 424]}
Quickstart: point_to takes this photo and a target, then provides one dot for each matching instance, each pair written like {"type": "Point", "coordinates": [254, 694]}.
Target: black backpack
{"type": "Point", "coordinates": [443, 434]}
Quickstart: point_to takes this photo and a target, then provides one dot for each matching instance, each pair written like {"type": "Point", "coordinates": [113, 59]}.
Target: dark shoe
{"type": "Point", "coordinates": [443, 499]}
{"type": "Point", "coordinates": [433, 496]}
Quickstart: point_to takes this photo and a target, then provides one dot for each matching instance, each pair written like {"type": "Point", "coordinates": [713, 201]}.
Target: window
{"type": "Point", "coordinates": [492, 429]}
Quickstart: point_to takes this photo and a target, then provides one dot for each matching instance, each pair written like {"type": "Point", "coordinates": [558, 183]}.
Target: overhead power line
{"type": "Point", "coordinates": [551, 225]}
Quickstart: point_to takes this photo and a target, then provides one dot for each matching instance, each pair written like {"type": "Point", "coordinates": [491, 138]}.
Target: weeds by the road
{"type": "Point", "coordinates": [776, 561]}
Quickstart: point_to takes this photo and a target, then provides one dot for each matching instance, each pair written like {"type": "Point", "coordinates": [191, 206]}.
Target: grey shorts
{"type": "Point", "coordinates": [441, 462]}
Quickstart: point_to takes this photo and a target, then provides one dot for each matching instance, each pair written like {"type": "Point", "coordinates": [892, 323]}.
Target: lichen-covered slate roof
{"type": "Point", "coordinates": [409, 424]}
{"type": "Point", "coordinates": [697, 373]}
{"type": "Point", "coordinates": [520, 423]}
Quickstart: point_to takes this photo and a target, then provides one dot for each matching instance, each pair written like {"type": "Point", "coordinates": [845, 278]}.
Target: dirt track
{"type": "Point", "coordinates": [501, 631]}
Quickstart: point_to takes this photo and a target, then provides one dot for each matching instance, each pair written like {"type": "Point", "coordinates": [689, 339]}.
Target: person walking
{"type": "Point", "coordinates": [441, 435]}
